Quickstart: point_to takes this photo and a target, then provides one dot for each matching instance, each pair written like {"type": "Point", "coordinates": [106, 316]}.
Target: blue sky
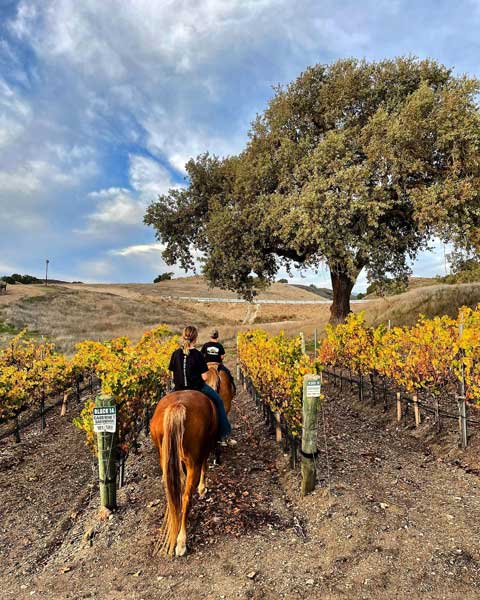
{"type": "Point", "coordinates": [103, 101]}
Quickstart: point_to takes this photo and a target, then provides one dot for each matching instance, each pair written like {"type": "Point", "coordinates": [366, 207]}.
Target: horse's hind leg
{"type": "Point", "coordinates": [191, 482]}
{"type": "Point", "coordinates": [201, 486]}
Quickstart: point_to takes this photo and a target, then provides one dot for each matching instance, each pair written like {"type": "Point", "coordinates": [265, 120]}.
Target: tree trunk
{"type": "Point", "coordinates": [342, 286]}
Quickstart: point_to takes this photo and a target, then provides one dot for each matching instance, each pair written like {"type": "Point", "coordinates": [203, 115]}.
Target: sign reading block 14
{"type": "Point", "coordinates": [313, 388]}
{"type": "Point", "coordinates": [105, 419]}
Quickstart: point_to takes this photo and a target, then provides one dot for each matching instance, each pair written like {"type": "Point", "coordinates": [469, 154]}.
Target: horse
{"type": "Point", "coordinates": [220, 382]}
{"type": "Point", "coordinates": [184, 429]}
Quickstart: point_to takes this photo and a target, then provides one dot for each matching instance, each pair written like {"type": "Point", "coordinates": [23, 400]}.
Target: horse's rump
{"type": "Point", "coordinates": [200, 419]}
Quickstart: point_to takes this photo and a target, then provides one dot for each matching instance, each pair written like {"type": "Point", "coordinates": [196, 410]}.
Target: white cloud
{"type": "Point", "coordinates": [122, 207]}
{"type": "Point", "coordinates": [181, 73]}
{"type": "Point", "coordinates": [38, 175]}
{"type": "Point", "coordinates": [148, 177]}
{"type": "Point", "coordinates": [116, 207]}
{"type": "Point", "coordinates": [15, 114]}
{"type": "Point", "coordinates": [139, 249]}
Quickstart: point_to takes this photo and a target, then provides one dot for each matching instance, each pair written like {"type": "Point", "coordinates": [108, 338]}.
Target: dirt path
{"type": "Point", "coordinates": [398, 522]}
{"type": "Point", "coordinates": [45, 481]}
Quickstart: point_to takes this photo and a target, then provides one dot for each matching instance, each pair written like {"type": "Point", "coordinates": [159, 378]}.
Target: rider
{"type": "Point", "coordinates": [189, 373]}
{"type": "Point", "coordinates": [214, 352]}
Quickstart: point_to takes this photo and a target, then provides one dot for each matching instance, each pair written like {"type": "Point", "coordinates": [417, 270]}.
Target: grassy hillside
{"type": "Point", "coordinates": [195, 287]}
{"type": "Point", "coordinates": [403, 309]}
{"type": "Point", "coordinates": [324, 293]}
{"type": "Point", "coordinates": [68, 314]}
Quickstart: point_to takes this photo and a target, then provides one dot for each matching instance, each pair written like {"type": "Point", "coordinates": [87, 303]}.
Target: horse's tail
{"type": "Point", "coordinates": [173, 474]}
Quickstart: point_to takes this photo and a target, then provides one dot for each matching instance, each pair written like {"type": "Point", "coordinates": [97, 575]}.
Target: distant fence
{"type": "Point", "coordinates": [243, 301]}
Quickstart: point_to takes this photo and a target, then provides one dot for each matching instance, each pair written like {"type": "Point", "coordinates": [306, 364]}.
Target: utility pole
{"type": "Point", "coordinates": [46, 271]}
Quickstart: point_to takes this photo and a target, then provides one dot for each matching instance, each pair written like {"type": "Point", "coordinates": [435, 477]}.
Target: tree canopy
{"type": "Point", "coordinates": [354, 165]}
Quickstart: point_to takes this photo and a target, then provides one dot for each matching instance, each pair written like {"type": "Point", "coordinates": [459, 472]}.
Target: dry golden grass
{"type": "Point", "coordinates": [68, 314]}
{"type": "Point", "coordinates": [194, 287]}
{"type": "Point", "coordinates": [430, 301]}
{"type": "Point", "coordinates": [19, 291]}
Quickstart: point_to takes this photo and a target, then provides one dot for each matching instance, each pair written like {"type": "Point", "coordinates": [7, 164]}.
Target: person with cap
{"type": "Point", "coordinates": [214, 352]}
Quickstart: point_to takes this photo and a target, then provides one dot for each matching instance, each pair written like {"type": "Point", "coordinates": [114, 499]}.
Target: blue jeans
{"type": "Point", "coordinates": [224, 428]}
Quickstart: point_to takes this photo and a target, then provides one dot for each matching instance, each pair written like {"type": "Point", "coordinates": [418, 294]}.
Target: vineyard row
{"type": "Point", "coordinates": [437, 358]}
{"type": "Point", "coordinates": [136, 375]}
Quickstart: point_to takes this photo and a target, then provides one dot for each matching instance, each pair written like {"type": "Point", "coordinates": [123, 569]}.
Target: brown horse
{"type": "Point", "coordinates": [184, 430]}
{"type": "Point", "coordinates": [220, 382]}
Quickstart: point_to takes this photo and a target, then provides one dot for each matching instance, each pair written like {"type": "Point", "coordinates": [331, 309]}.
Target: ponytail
{"type": "Point", "coordinates": [190, 334]}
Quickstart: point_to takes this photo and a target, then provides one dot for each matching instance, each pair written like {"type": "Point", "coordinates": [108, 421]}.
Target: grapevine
{"type": "Point", "coordinates": [276, 366]}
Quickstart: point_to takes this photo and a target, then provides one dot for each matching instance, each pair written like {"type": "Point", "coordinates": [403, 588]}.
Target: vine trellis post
{"type": "Point", "coordinates": [311, 401]}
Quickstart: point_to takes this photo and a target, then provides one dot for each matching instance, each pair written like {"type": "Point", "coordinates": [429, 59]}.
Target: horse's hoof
{"type": "Point", "coordinates": [180, 550]}
{"type": "Point", "coordinates": [202, 493]}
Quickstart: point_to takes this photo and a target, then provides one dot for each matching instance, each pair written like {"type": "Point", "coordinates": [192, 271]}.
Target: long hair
{"type": "Point", "coordinates": [190, 334]}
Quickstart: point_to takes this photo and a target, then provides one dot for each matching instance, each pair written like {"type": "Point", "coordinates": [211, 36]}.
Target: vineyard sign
{"type": "Point", "coordinates": [105, 419]}
{"type": "Point", "coordinates": [313, 388]}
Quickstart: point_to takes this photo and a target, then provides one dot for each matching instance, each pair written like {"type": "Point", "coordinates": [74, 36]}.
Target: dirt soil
{"type": "Point", "coordinates": [395, 515]}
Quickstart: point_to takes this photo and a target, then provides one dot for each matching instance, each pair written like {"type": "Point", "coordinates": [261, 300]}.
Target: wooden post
{"type": "Point", "coordinates": [462, 406]}
{"type": "Point", "coordinates": [302, 341]}
{"type": "Point", "coordinates": [399, 407]}
{"type": "Point", "coordinates": [416, 411]}
{"type": "Point", "coordinates": [384, 389]}
{"type": "Point", "coordinates": [121, 475]}
{"type": "Point", "coordinates": [315, 344]}
{"type": "Point", "coordinates": [106, 459]}
{"type": "Point", "coordinates": [63, 410]}
{"type": "Point", "coordinates": [311, 401]}
{"type": "Point", "coordinates": [278, 428]}
{"type": "Point", "coordinates": [17, 430]}
{"type": "Point", "coordinates": [43, 421]}
{"type": "Point", "coordinates": [437, 416]}
{"type": "Point", "coordinates": [360, 387]}
{"type": "Point", "coordinates": [462, 421]}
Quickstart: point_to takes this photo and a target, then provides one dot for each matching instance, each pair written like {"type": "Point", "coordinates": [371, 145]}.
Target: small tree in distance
{"type": "Point", "coordinates": [163, 277]}
{"type": "Point", "coordinates": [355, 165]}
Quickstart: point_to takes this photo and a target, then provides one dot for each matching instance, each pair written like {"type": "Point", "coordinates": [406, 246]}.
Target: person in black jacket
{"type": "Point", "coordinates": [189, 370]}
{"type": "Point", "coordinates": [213, 351]}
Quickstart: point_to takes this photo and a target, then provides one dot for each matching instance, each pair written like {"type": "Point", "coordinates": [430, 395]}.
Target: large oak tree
{"type": "Point", "coordinates": [355, 165]}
